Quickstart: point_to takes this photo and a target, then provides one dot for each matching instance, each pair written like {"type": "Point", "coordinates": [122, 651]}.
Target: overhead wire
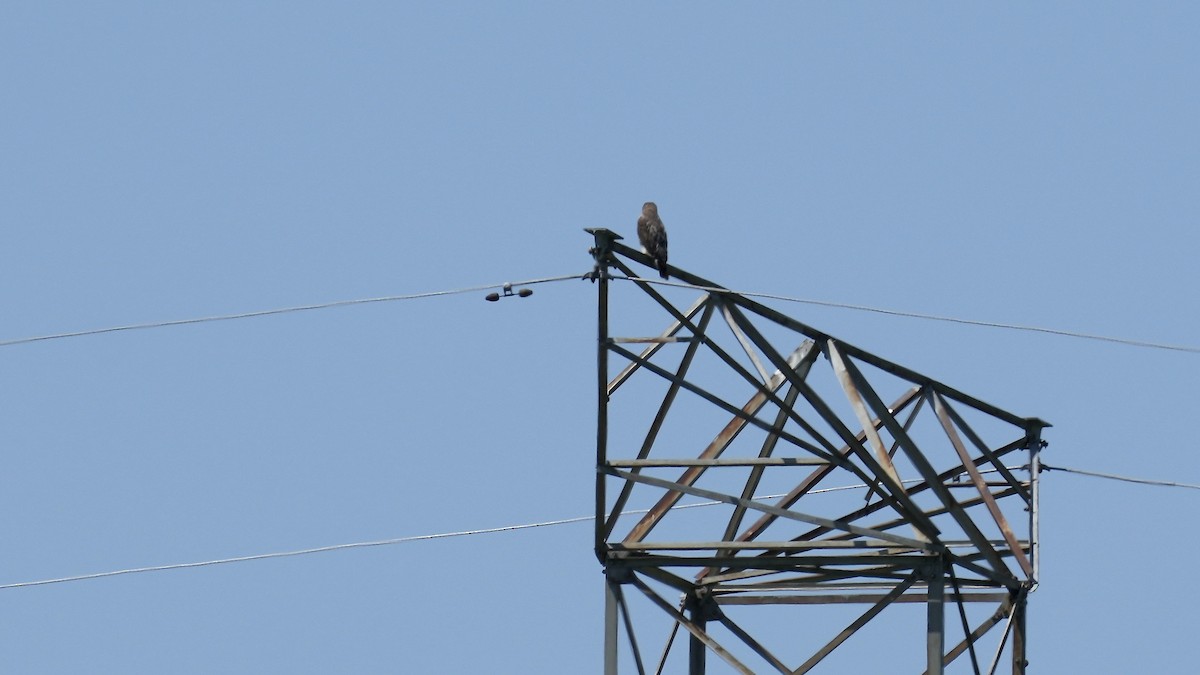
{"type": "Point", "coordinates": [529, 282]}
{"type": "Point", "coordinates": [379, 542]}
{"type": "Point", "coordinates": [1126, 479]}
{"type": "Point", "coordinates": [283, 310]}
{"type": "Point", "coordinates": [919, 315]}
{"type": "Point", "coordinates": [326, 549]}
{"type": "Point", "coordinates": [504, 528]}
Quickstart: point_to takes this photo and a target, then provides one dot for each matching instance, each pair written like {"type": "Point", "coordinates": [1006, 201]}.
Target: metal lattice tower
{"type": "Point", "coordinates": [884, 488]}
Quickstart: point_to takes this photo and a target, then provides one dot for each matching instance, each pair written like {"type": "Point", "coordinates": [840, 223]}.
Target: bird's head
{"type": "Point", "coordinates": [650, 209]}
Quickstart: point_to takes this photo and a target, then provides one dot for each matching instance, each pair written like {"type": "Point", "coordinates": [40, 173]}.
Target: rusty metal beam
{"type": "Point", "coordinates": [813, 479]}
{"type": "Point", "coordinates": [858, 598]}
{"type": "Point", "coordinates": [858, 557]}
{"type": "Point", "coordinates": [603, 256]}
{"type": "Point", "coordinates": [922, 465]}
{"type": "Point", "coordinates": [908, 422]}
{"type": "Point", "coordinates": [757, 462]}
{"type": "Point", "coordinates": [986, 451]}
{"type": "Point", "coordinates": [766, 450]}
{"type": "Point", "coordinates": [860, 544]}
{"type": "Point", "coordinates": [741, 338]}
{"type": "Point", "coordinates": [962, 615]}
{"type": "Point", "coordinates": [935, 632]}
{"type": "Point", "coordinates": [980, 630]}
{"type": "Point", "coordinates": [753, 644]}
{"type": "Point", "coordinates": [737, 367]}
{"type": "Point", "coordinates": [977, 479]}
{"type": "Point", "coordinates": [766, 508]}
{"type": "Point", "coordinates": [788, 322]}
{"type": "Point", "coordinates": [640, 561]}
{"type": "Point", "coordinates": [721, 403]}
{"type": "Point", "coordinates": [653, 349]}
{"type": "Point", "coordinates": [714, 449]}
{"type": "Point", "coordinates": [610, 627]}
{"type": "Point", "coordinates": [864, 418]}
{"type": "Point", "coordinates": [659, 417]}
{"type": "Point", "coordinates": [895, 492]}
{"type": "Point", "coordinates": [697, 632]}
{"type": "Point", "coordinates": [855, 625]}
{"type": "Point", "coordinates": [871, 508]}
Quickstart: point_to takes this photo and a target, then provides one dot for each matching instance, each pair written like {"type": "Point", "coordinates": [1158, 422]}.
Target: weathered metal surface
{"type": "Point", "coordinates": [922, 465]}
{"type": "Point", "coordinates": [987, 453]}
{"type": "Point", "coordinates": [962, 615]}
{"type": "Point", "coordinates": [629, 632]}
{"type": "Point", "coordinates": [602, 254]}
{"type": "Point", "coordinates": [697, 631]}
{"type": "Point", "coordinates": [979, 631]}
{"type": "Point", "coordinates": [610, 628]}
{"type": "Point", "coordinates": [656, 425]}
{"type": "Point", "coordinates": [993, 508]}
{"type": "Point", "coordinates": [704, 462]}
{"type": "Point", "coordinates": [657, 340]}
{"type": "Point", "coordinates": [861, 621]}
{"type": "Point", "coordinates": [903, 504]}
{"type": "Point", "coordinates": [864, 418]}
{"type": "Point", "coordinates": [766, 508]}
{"type": "Point", "coordinates": [654, 347]}
{"type": "Point", "coordinates": [741, 414]}
{"type": "Point", "coordinates": [1035, 471]}
{"type": "Point", "coordinates": [753, 644]}
{"type": "Point", "coordinates": [713, 450]}
{"type": "Point", "coordinates": [805, 549]}
{"type": "Point", "coordinates": [741, 338]}
{"type": "Point", "coordinates": [935, 632]}
{"type": "Point", "coordinates": [820, 336]}
{"type": "Point", "coordinates": [750, 545]}
{"type": "Point", "coordinates": [766, 450]}
{"type": "Point", "coordinates": [857, 598]}
{"type": "Point", "coordinates": [813, 479]}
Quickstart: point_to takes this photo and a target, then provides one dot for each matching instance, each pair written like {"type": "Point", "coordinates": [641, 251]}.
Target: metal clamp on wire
{"type": "Point", "coordinates": [508, 293]}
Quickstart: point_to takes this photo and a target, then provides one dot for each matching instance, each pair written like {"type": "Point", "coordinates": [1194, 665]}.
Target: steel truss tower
{"type": "Point", "coordinates": [759, 482]}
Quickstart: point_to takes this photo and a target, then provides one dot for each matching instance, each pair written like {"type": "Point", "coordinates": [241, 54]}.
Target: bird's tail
{"type": "Point", "coordinates": [661, 263]}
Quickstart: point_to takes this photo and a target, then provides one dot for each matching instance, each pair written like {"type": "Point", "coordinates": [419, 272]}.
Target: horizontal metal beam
{"type": "Point", "coordinates": [748, 461]}
{"type": "Point", "coordinates": [754, 545]}
{"type": "Point", "coordinates": [650, 340]}
{"type": "Point", "coordinates": [850, 598]}
{"type": "Point", "coordinates": [766, 508]}
{"type": "Point", "coordinates": [778, 317]}
{"type": "Point", "coordinates": [634, 560]}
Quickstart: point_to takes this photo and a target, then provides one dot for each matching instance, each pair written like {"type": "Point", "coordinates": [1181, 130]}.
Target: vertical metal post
{"type": "Point", "coordinates": [1035, 470]}
{"type": "Point", "coordinates": [600, 251]}
{"type": "Point", "coordinates": [611, 599]}
{"type": "Point", "coordinates": [697, 653]}
{"type": "Point", "coordinates": [610, 626]}
{"type": "Point", "coordinates": [935, 633]}
{"type": "Point", "coordinates": [601, 411]}
{"type": "Point", "coordinates": [1018, 646]}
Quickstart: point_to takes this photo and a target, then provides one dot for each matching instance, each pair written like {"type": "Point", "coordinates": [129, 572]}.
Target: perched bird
{"type": "Point", "coordinates": [653, 236]}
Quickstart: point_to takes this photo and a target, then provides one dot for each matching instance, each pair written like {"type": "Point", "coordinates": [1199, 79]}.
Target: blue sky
{"type": "Point", "coordinates": [1021, 163]}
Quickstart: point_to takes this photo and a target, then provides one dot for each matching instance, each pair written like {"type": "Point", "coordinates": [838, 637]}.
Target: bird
{"type": "Point", "coordinates": [653, 236]}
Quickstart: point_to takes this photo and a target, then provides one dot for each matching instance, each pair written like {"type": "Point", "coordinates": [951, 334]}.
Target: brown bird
{"type": "Point", "coordinates": [653, 237]}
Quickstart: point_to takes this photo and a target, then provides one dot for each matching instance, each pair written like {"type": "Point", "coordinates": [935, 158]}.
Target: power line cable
{"type": "Point", "coordinates": [289, 554]}
{"type": "Point", "coordinates": [513, 528]}
{"type": "Point", "coordinates": [322, 549]}
{"type": "Point", "coordinates": [711, 289]}
{"type": "Point", "coordinates": [1127, 479]}
{"type": "Point", "coordinates": [283, 310]}
{"type": "Point", "coordinates": [381, 542]}
{"type": "Point", "coordinates": [927, 317]}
